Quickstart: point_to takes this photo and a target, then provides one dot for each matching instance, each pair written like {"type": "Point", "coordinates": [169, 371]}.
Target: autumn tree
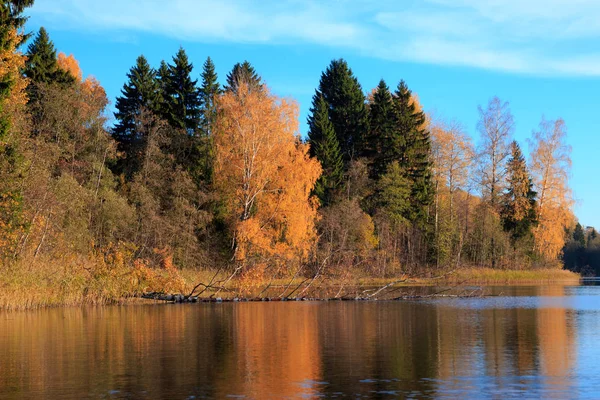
{"type": "Point", "coordinates": [12, 100]}
{"type": "Point", "coordinates": [265, 177]}
{"type": "Point", "coordinates": [550, 168]}
{"type": "Point", "coordinates": [452, 155]}
{"type": "Point", "coordinates": [495, 126]}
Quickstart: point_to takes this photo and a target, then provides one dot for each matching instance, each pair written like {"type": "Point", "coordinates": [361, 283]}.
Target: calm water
{"type": "Point", "coordinates": [531, 342]}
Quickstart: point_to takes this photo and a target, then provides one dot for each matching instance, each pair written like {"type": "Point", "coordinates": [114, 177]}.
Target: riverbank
{"type": "Point", "coordinates": [43, 285]}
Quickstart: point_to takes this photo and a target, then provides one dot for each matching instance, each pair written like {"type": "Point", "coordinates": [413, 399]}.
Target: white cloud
{"type": "Point", "coordinates": [542, 37]}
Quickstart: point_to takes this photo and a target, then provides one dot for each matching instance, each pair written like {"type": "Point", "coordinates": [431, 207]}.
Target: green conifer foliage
{"type": "Point", "coordinates": [325, 146]}
{"type": "Point", "coordinates": [519, 209]}
{"type": "Point", "coordinates": [381, 129]}
{"type": "Point", "coordinates": [140, 91]}
{"type": "Point", "coordinates": [411, 146]}
{"type": "Point", "coordinates": [42, 66]}
{"type": "Point", "coordinates": [393, 195]}
{"type": "Point", "coordinates": [209, 90]}
{"type": "Point", "coordinates": [246, 73]}
{"type": "Point", "coordinates": [347, 109]}
{"type": "Point", "coordinates": [579, 235]}
{"type": "Point", "coordinates": [181, 96]}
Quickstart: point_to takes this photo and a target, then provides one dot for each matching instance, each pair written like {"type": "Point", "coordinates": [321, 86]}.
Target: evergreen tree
{"type": "Point", "coordinates": [592, 237]}
{"type": "Point", "coordinates": [579, 235]}
{"type": "Point", "coordinates": [209, 90]}
{"type": "Point", "coordinates": [140, 91]}
{"type": "Point", "coordinates": [41, 66]}
{"type": "Point", "coordinates": [181, 97]}
{"type": "Point", "coordinates": [246, 73]}
{"type": "Point", "coordinates": [347, 108]}
{"type": "Point", "coordinates": [411, 146]}
{"type": "Point", "coordinates": [326, 148]}
{"type": "Point", "coordinates": [381, 129]}
{"type": "Point", "coordinates": [162, 75]}
{"type": "Point", "coordinates": [519, 210]}
{"type": "Point", "coordinates": [393, 195]}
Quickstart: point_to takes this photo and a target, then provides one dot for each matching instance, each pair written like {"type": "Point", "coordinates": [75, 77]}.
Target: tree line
{"type": "Point", "coordinates": [195, 174]}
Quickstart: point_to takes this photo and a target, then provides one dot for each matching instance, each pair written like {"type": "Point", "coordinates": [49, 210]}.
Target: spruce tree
{"type": "Point", "coordinates": [579, 235]}
{"type": "Point", "coordinates": [381, 130]}
{"type": "Point", "coordinates": [209, 90]}
{"type": "Point", "coordinates": [42, 66]}
{"type": "Point", "coordinates": [347, 108]}
{"type": "Point", "coordinates": [140, 91]}
{"type": "Point", "coordinates": [246, 73]}
{"type": "Point", "coordinates": [326, 148]}
{"type": "Point", "coordinates": [519, 209]}
{"type": "Point", "coordinates": [162, 74]}
{"type": "Point", "coordinates": [181, 97]}
{"type": "Point", "coordinates": [411, 146]}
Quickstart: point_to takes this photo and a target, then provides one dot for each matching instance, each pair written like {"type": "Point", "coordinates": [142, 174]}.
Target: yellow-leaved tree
{"type": "Point", "coordinates": [550, 168]}
{"type": "Point", "coordinates": [12, 120]}
{"type": "Point", "coordinates": [265, 177]}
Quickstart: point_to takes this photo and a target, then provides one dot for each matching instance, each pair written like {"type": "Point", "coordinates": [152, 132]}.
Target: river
{"type": "Point", "coordinates": [526, 342]}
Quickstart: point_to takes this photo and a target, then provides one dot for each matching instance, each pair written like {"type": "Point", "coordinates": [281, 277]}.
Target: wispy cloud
{"type": "Point", "coordinates": [541, 37]}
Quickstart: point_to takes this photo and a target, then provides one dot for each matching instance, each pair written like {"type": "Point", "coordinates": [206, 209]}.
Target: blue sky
{"type": "Point", "coordinates": [542, 56]}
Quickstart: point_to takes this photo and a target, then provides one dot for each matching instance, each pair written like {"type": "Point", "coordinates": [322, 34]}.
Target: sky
{"type": "Point", "coordinates": [542, 56]}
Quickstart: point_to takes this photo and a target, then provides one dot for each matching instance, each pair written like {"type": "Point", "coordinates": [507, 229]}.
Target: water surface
{"type": "Point", "coordinates": [529, 342]}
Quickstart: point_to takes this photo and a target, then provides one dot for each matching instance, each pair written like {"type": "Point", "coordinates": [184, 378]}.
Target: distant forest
{"type": "Point", "coordinates": [199, 173]}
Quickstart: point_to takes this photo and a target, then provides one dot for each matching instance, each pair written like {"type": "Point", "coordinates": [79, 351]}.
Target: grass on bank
{"type": "Point", "coordinates": [76, 282]}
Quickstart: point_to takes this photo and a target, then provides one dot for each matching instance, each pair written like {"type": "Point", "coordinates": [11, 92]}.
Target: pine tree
{"type": "Point", "coordinates": [41, 66]}
{"type": "Point", "coordinates": [381, 129]}
{"type": "Point", "coordinates": [140, 91]}
{"type": "Point", "coordinates": [519, 209]}
{"type": "Point", "coordinates": [181, 97]}
{"type": "Point", "coordinates": [411, 146]}
{"type": "Point", "coordinates": [246, 73]}
{"type": "Point", "coordinates": [326, 148]}
{"type": "Point", "coordinates": [347, 108]}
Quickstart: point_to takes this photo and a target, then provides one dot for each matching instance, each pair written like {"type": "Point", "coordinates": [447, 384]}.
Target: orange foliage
{"type": "Point", "coordinates": [264, 173]}
{"type": "Point", "coordinates": [452, 153]}
{"type": "Point", "coordinates": [93, 92]}
{"type": "Point", "coordinates": [71, 65]}
{"type": "Point", "coordinates": [12, 63]}
{"type": "Point", "coordinates": [550, 167]}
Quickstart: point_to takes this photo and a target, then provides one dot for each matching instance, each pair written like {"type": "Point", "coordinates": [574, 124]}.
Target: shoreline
{"type": "Point", "coordinates": [49, 295]}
